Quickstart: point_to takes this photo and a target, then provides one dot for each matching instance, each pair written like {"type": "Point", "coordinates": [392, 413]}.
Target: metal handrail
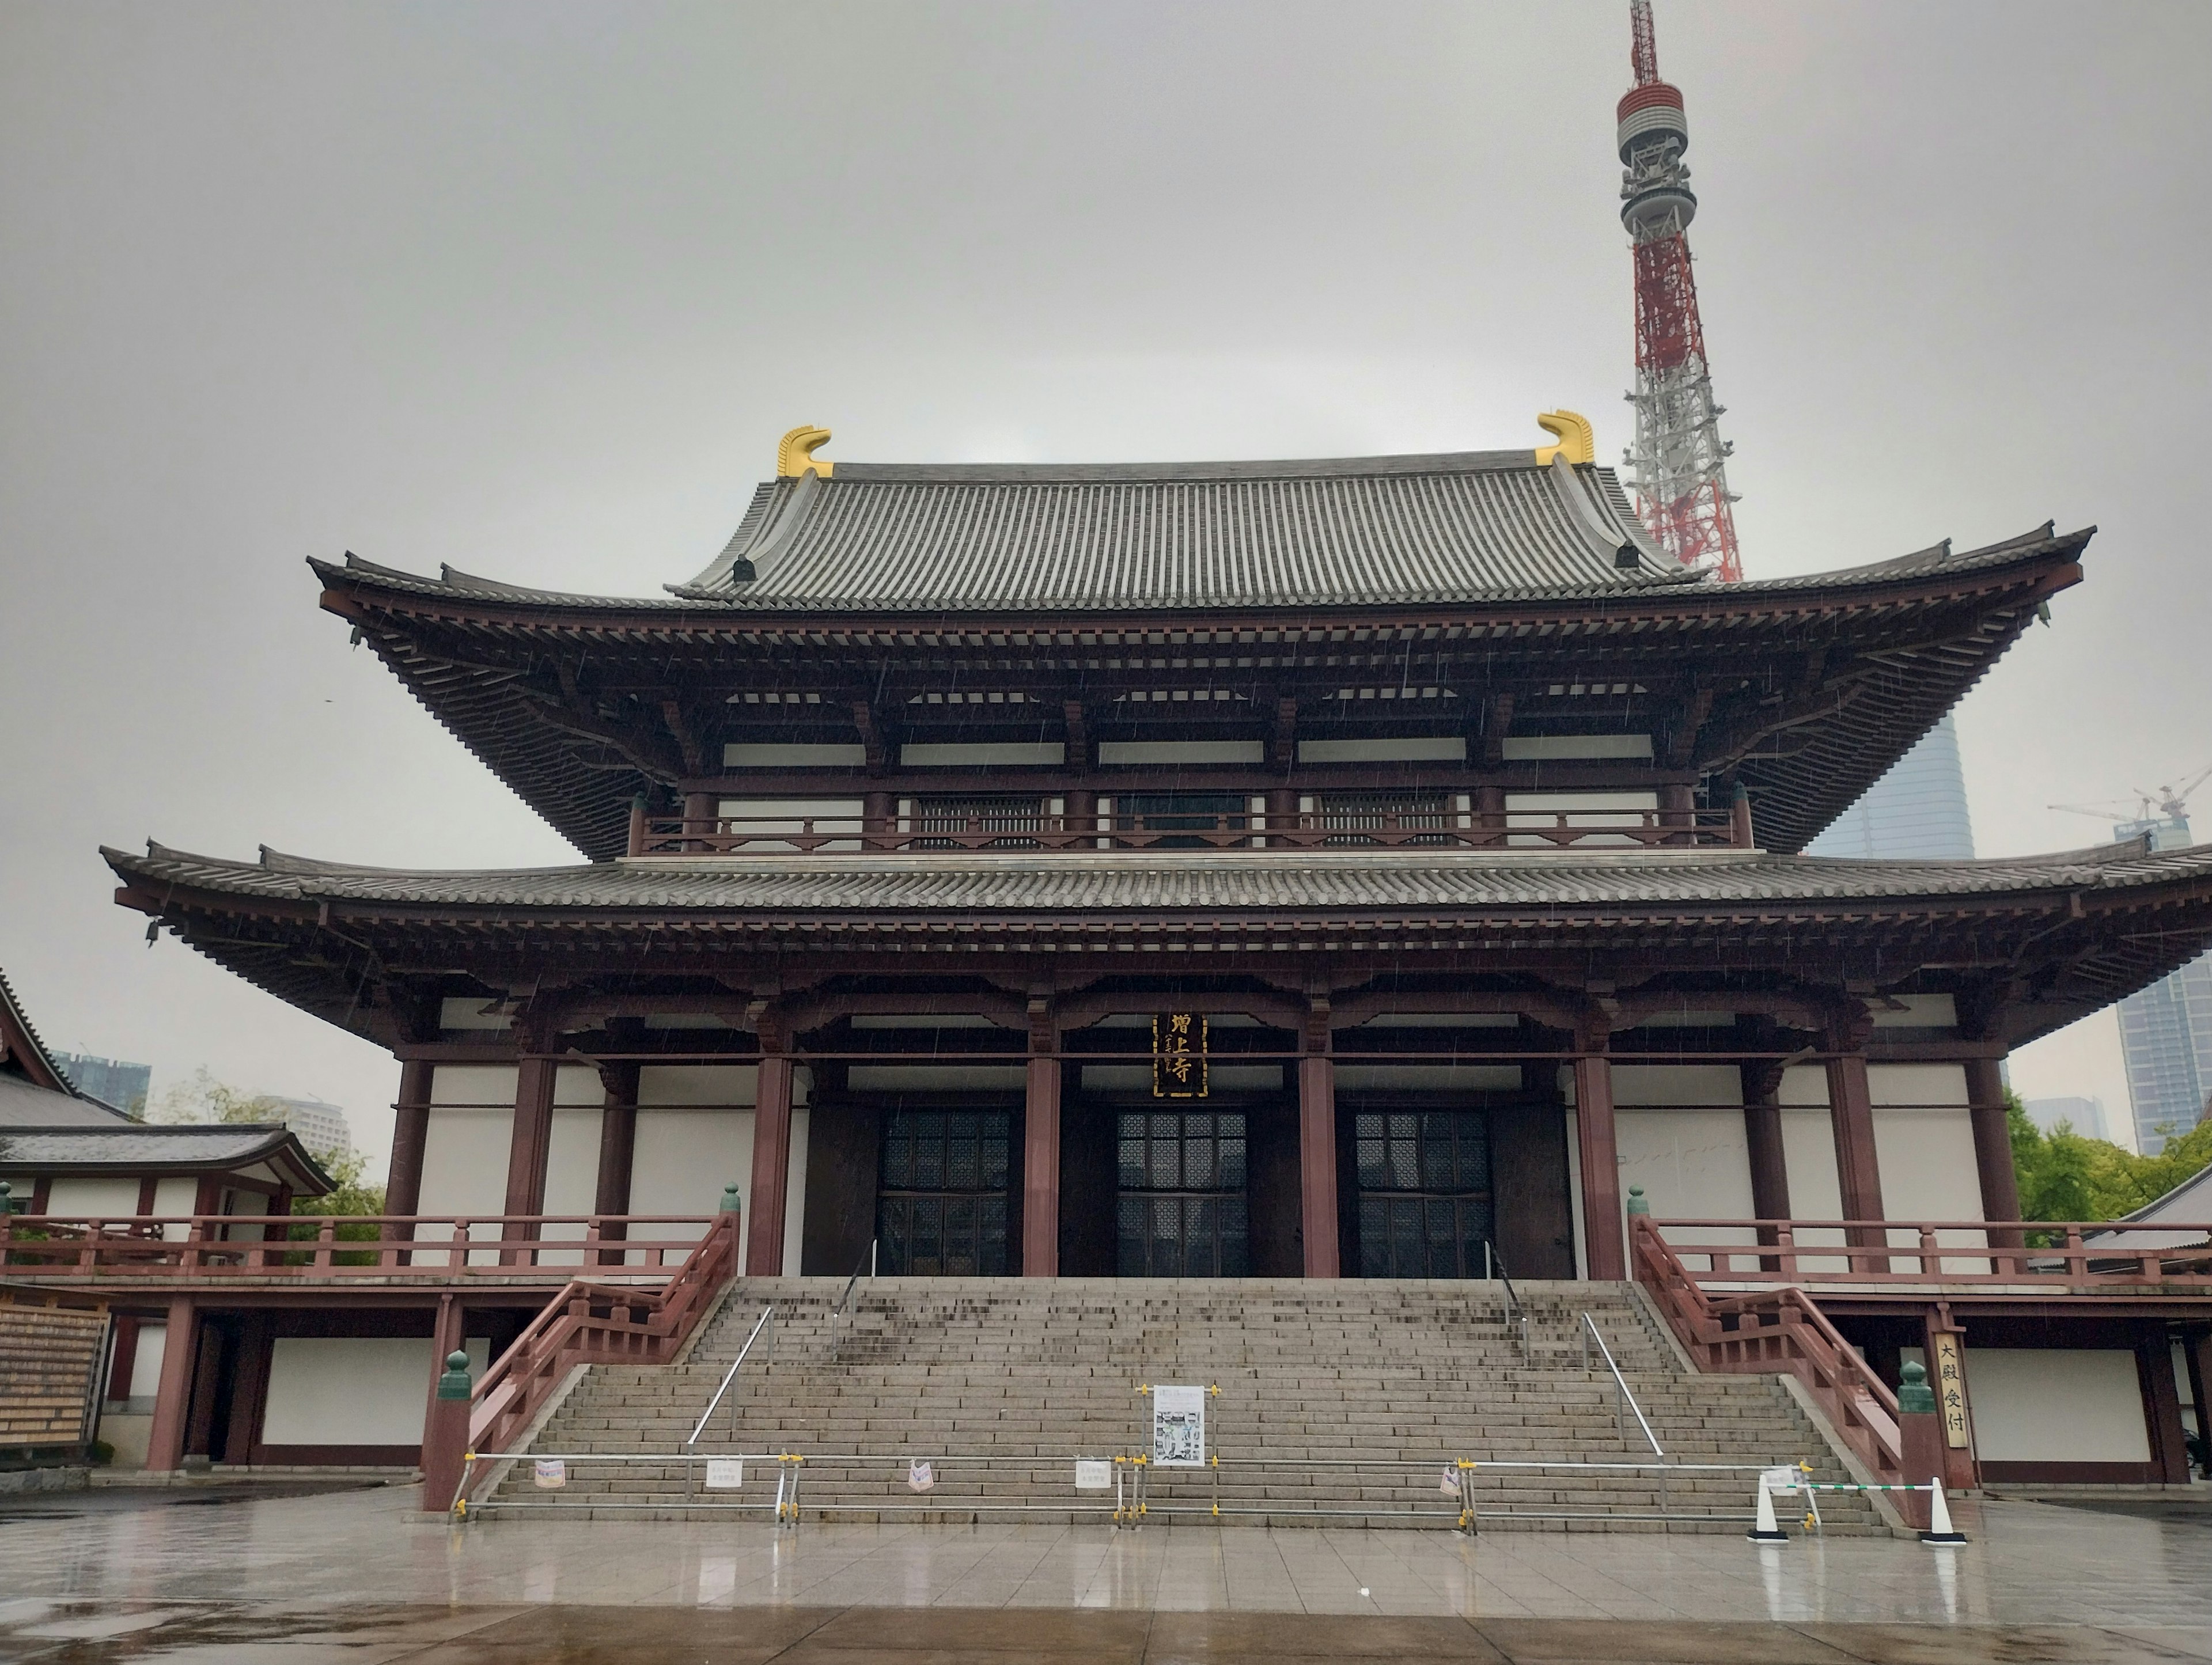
{"type": "Point", "coordinates": [842, 1313]}
{"type": "Point", "coordinates": [765, 1321]}
{"type": "Point", "coordinates": [1516, 1316]}
{"type": "Point", "coordinates": [1627, 1400]}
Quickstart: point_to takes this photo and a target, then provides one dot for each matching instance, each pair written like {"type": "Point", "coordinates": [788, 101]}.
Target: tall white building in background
{"type": "Point", "coordinates": [1915, 812]}
{"type": "Point", "coordinates": [321, 1126]}
{"type": "Point", "coordinates": [2085, 1115]}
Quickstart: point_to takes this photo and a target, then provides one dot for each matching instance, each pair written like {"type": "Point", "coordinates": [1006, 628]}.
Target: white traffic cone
{"type": "Point", "coordinates": [1763, 1529]}
{"type": "Point", "coordinates": [1940, 1529]}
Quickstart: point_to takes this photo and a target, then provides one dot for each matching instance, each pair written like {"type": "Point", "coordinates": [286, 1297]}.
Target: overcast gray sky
{"type": "Point", "coordinates": [533, 287]}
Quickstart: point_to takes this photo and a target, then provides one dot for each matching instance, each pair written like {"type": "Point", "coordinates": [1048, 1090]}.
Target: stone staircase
{"type": "Point", "coordinates": [1357, 1394]}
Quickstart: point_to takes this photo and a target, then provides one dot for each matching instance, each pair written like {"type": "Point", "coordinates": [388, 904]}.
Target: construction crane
{"type": "Point", "coordinates": [1678, 466]}
{"type": "Point", "coordinates": [2171, 802]}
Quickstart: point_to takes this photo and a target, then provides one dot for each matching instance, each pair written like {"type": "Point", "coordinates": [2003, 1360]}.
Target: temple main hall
{"type": "Point", "coordinates": [1381, 868]}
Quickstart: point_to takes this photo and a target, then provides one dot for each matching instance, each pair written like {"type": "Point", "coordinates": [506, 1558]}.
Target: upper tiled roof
{"type": "Point", "coordinates": [959, 883]}
{"type": "Point", "coordinates": [1361, 530]}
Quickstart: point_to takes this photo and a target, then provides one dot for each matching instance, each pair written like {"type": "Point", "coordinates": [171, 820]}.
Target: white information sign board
{"type": "Point", "coordinates": [726, 1473]}
{"type": "Point", "coordinates": [1781, 1482]}
{"type": "Point", "coordinates": [1178, 1427]}
{"type": "Point", "coordinates": [1093, 1475]}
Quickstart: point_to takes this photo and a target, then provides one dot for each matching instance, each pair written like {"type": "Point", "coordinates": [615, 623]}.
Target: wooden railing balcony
{"type": "Point", "coordinates": [2058, 1255]}
{"type": "Point", "coordinates": [1326, 829]}
{"type": "Point", "coordinates": [592, 1322]}
{"type": "Point", "coordinates": [421, 1249]}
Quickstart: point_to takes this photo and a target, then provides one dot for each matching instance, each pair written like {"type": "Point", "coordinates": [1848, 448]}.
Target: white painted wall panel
{"type": "Point", "coordinates": [473, 1083]}
{"type": "Point", "coordinates": [1805, 1085]}
{"type": "Point", "coordinates": [1692, 1164]}
{"type": "Point", "coordinates": [146, 1361]}
{"type": "Point", "coordinates": [464, 1160]}
{"type": "Point", "coordinates": [1809, 1153]}
{"type": "Point", "coordinates": [579, 1084]}
{"type": "Point", "coordinates": [106, 1196]}
{"type": "Point", "coordinates": [1928, 1173]}
{"type": "Point", "coordinates": [2053, 1405]}
{"type": "Point", "coordinates": [1917, 1084]}
{"type": "Point", "coordinates": [174, 1198]}
{"type": "Point", "coordinates": [724, 1084]}
{"type": "Point", "coordinates": [1713, 1085]}
{"type": "Point", "coordinates": [684, 1158]}
{"type": "Point", "coordinates": [328, 1390]}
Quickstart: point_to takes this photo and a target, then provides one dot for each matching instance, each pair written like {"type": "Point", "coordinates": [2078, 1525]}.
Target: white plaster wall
{"type": "Point", "coordinates": [1809, 1153]}
{"type": "Point", "coordinates": [474, 1084]}
{"type": "Point", "coordinates": [684, 1156]}
{"type": "Point", "coordinates": [1708, 1085]}
{"type": "Point", "coordinates": [1928, 1173]}
{"type": "Point", "coordinates": [1692, 1163]}
{"type": "Point", "coordinates": [723, 1085]}
{"type": "Point", "coordinates": [1917, 1085]}
{"type": "Point", "coordinates": [174, 1198]}
{"type": "Point", "coordinates": [107, 1197]}
{"type": "Point", "coordinates": [146, 1362]}
{"type": "Point", "coordinates": [328, 1390]}
{"type": "Point", "coordinates": [352, 1390]}
{"type": "Point", "coordinates": [464, 1165]}
{"type": "Point", "coordinates": [2053, 1405]}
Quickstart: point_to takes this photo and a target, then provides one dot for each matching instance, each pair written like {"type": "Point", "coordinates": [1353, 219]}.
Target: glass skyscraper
{"type": "Point", "coordinates": [2166, 1031]}
{"type": "Point", "coordinates": [1915, 812]}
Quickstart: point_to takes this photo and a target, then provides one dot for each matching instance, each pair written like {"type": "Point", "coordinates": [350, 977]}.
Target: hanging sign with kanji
{"type": "Point", "coordinates": [1950, 1391]}
{"type": "Point", "coordinates": [1179, 1054]}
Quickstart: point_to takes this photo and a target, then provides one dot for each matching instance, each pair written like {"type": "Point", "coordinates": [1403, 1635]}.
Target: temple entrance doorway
{"type": "Point", "coordinates": [942, 1196]}
{"type": "Point", "coordinates": [1425, 1207]}
{"type": "Point", "coordinates": [1181, 1207]}
{"type": "Point", "coordinates": [1426, 1182]}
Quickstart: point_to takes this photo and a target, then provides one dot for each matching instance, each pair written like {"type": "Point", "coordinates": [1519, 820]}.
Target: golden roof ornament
{"type": "Point", "coordinates": [1574, 435]}
{"type": "Point", "coordinates": [794, 452]}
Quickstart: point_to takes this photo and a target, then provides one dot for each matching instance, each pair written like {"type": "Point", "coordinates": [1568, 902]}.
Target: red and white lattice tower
{"type": "Point", "coordinates": [1679, 464]}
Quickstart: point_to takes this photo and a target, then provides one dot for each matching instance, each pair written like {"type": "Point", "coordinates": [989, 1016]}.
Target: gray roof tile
{"type": "Point", "coordinates": [956, 884]}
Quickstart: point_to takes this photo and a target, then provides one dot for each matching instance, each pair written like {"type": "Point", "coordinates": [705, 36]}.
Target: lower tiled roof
{"type": "Point", "coordinates": [1239, 880]}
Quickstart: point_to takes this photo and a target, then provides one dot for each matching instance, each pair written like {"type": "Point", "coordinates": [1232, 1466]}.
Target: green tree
{"type": "Point", "coordinates": [203, 1099]}
{"type": "Point", "coordinates": [2065, 1175]}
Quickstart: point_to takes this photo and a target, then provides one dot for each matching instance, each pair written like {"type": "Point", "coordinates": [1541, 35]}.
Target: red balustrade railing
{"type": "Point", "coordinates": [594, 1323]}
{"type": "Point", "coordinates": [1773, 1332]}
{"type": "Point", "coordinates": [416, 1247]}
{"type": "Point", "coordinates": [1343, 829]}
{"type": "Point", "coordinates": [2078, 1255]}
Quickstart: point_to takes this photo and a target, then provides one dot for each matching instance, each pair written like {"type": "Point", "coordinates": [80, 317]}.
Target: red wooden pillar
{"type": "Point", "coordinates": [878, 810]}
{"type": "Point", "coordinates": [446, 1414]}
{"type": "Point", "coordinates": [771, 1164]}
{"type": "Point", "coordinates": [165, 1440]}
{"type": "Point", "coordinates": [2169, 1451]}
{"type": "Point", "coordinates": [249, 1388]}
{"type": "Point", "coordinates": [700, 810]}
{"type": "Point", "coordinates": [1762, 1143]}
{"type": "Point", "coordinates": [1041, 1148]}
{"type": "Point", "coordinates": [1605, 1255]}
{"type": "Point", "coordinates": [1986, 1094]}
{"type": "Point", "coordinates": [617, 1153]}
{"type": "Point", "coordinates": [123, 1359]}
{"type": "Point", "coordinates": [410, 1137]}
{"type": "Point", "coordinates": [531, 1142]}
{"type": "Point", "coordinates": [1850, 1115]}
{"type": "Point", "coordinates": [1318, 1147]}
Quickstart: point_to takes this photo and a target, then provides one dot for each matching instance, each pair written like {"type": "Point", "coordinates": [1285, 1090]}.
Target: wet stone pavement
{"type": "Point", "coordinates": [359, 1577]}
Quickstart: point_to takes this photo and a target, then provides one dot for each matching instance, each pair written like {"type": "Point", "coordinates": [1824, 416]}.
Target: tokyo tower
{"type": "Point", "coordinates": [1678, 467]}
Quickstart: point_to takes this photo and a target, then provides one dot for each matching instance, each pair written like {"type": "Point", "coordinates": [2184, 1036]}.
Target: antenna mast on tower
{"type": "Point", "coordinates": [1678, 466]}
